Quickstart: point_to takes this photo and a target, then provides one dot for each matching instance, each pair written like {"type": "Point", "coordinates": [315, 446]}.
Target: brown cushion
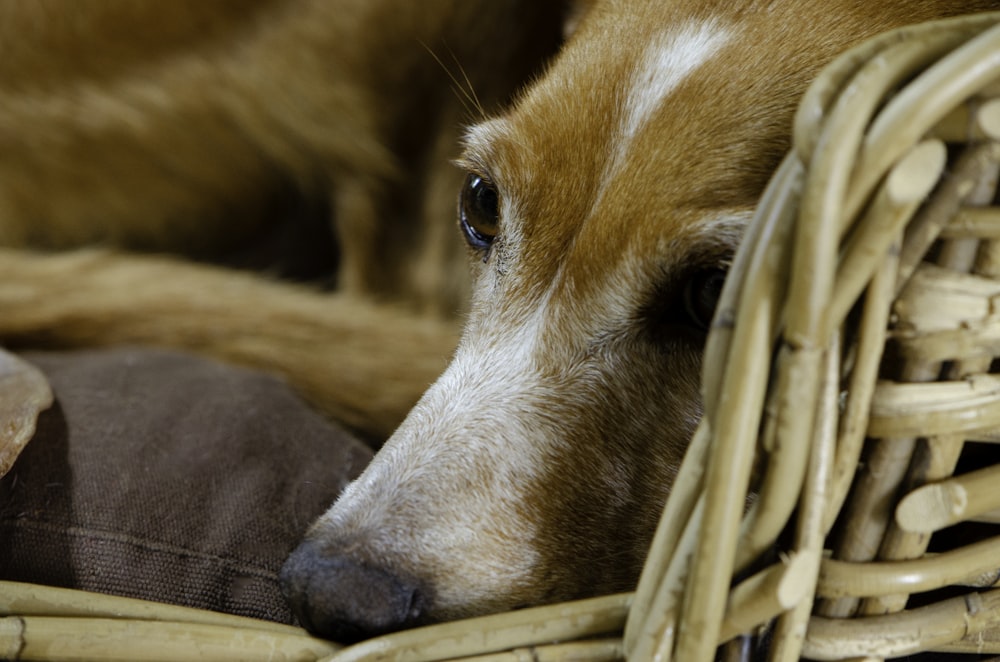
{"type": "Point", "coordinates": [162, 476]}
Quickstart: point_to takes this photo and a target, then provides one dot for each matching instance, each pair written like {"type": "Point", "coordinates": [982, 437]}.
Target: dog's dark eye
{"type": "Point", "coordinates": [479, 212]}
{"type": "Point", "coordinates": [701, 295]}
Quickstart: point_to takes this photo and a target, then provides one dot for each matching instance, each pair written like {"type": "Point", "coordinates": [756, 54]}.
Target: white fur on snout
{"type": "Point", "coordinates": [444, 499]}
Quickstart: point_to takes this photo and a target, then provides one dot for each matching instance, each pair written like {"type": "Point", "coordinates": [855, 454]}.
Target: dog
{"type": "Point", "coordinates": [601, 210]}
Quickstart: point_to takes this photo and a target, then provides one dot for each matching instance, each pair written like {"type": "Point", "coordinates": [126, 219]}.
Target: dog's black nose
{"type": "Point", "coordinates": [346, 600]}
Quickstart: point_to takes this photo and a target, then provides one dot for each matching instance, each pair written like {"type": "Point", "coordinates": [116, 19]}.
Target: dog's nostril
{"type": "Point", "coordinates": [345, 600]}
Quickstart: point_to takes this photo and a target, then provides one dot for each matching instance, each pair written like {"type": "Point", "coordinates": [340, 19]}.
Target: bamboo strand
{"type": "Point", "coordinates": [821, 224]}
{"type": "Point", "coordinates": [819, 227]}
{"type": "Point", "coordinates": [654, 635]}
{"type": "Point", "coordinates": [768, 270]}
{"type": "Point", "coordinates": [19, 599]}
{"type": "Point", "coordinates": [678, 511]}
{"type": "Point", "coordinates": [964, 174]}
{"type": "Point", "coordinates": [907, 184]}
{"type": "Point", "coordinates": [938, 505]}
{"type": "Point", "coordinates": [961, 407]}
{"type": "Point", "coordinates": [831, 165]}
{"type": "Point", "coordinates": [938, 299]}
{"type": "Point", "coordinates": [978, 222]}
{"type": "Point", "coordinates": [60, 639]}
{"type": "Point", "coordinates": [758, 599]}
{"type": "Point", "coordinates": [783, 477]}
{"type": "Point", "coordinates": [496, 633]}
{"type": "Point", "coordinates": [903, 633]}
{"type": "Point", "coordinates": [938, 37]}
{"type": "Point", "coordinates": [967, 564]}
{"type": "Point", "coordinates": [933, 457]}
{"type": "Point", "coordinates": [868, 507]}
{"type": "Point", "coordinates": [698, 630]}
{"type": "Point", "coordinates": [729, 471]}
{"type": "Point", "coordinates": [854, 422]}
{"type": "Point", "coordinates": [986, 642]}
{"type": "Point", "coordinates": [600, 650]}
{"type": "Point", "coordinates": [722, 333]}
{"type": "Point", "coordinates": [765, 244]}
{"type": "Point", "coordinates": [977, 339]}
{"type": "Point", "coordinates": [924, 102]}
{"type": "Point", "coordinates": [790, 629]}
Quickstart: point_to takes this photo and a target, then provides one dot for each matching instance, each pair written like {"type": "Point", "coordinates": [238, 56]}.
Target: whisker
{"type": "Point", "coordinates": [463, 87]}
{"type": "Point", "coordinates": [469, 87]}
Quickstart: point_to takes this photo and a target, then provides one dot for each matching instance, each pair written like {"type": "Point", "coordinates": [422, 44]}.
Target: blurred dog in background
{"type": "Point", "coordinates": [309, 139]}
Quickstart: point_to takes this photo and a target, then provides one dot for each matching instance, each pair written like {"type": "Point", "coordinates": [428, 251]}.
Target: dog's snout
{"type": "Point", "coordinates": [347, 600]}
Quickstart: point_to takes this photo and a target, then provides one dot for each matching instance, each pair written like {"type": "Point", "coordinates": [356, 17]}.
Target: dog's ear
{"type": "Point", "coordinates": [575, 11]}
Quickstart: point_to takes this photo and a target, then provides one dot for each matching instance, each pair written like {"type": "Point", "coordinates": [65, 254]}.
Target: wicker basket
{"type": "Point", "coordinates": [847, 377]}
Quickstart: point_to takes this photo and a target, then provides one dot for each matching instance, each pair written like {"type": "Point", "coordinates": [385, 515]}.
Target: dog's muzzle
{"type": "Point", "coordinates": [345, 600]}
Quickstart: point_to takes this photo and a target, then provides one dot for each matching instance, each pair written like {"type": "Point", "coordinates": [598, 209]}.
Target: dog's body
{"type": "Point", "coordinates": [602, 210]}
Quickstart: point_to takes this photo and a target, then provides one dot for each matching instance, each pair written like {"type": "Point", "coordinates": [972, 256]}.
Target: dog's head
{"type": "Point", "coordinates": [602, 212]}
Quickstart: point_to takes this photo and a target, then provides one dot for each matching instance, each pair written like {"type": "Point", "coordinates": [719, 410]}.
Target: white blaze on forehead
{"type": "Point", "coordinates": [666, 62]}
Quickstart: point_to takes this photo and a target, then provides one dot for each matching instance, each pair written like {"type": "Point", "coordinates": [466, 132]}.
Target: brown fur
{"type": "Point", "coordinates": [534, 469]}
{"type": "Point", "coordinates": [235, 131]}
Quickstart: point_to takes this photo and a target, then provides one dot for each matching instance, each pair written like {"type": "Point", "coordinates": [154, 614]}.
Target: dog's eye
{"type": "Point", "coordinates": [701, 295]}
{"type": "Point", "coordinates": [479, 212]}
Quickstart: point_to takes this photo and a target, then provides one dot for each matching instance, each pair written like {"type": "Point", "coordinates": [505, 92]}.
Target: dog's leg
{"type": "Point", "coordinates": [363, 364]}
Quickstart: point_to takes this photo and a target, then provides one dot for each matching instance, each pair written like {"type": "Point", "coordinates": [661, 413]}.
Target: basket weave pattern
{"type": "Point", "coordinates": [848, 370]}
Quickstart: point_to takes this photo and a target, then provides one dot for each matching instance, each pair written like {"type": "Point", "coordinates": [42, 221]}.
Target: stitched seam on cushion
{"type": "Point", "coordinates": [159, 547]}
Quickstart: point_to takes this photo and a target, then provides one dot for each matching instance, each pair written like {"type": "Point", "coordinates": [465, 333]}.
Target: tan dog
{"type": "Point", "coordinates": [602, 211]}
